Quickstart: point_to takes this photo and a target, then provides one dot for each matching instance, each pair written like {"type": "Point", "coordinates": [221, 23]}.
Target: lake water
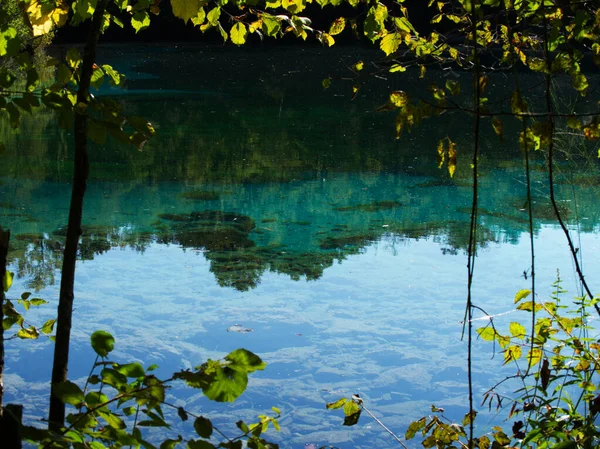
{"type": "Point", "coordinates": [267, 204]}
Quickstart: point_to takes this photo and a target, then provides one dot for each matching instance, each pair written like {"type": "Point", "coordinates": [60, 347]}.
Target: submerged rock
{"type": "Point", "coordinates": [372, 207]}
{"type": "Point", "coordinates": [213, 217]}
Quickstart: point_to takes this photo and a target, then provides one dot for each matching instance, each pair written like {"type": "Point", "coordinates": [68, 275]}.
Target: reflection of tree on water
{"type": "Point", "coordinates": [225, 239]}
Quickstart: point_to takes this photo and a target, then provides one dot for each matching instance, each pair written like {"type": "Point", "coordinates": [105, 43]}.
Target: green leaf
{"type": "Point", "coordinates": [374, 24]}
{"type": "Point", "coordinates": [213, 15]}
{"type": "Point", "coordinates": [140, 21]}
{"type": "Point", "coordinates": [95, 398]}
{"type": "Point", "coordinates": [8, 280]}
{"type": "Point", "coordinates": [244, 360]}
{"type": "Point", "coordinates": [116, 79]}
{"type": "Point", "coordinates": [69, 393]}
{"type": "Point", "coordinates": [97, 78]}
{"type": "Point", "coordinates": [238, 33]}
{"type": "Point", "coordinates": [199, 444]}
{"type": "Point", "coordinates": [134, 370]}
{"type": "Point", "coordinates": [48, 327]}
{"type": "Point", "coordinates": [102, 343]}
{"type": "Point", "coordinates": [170, 443]}
{"type": "Point", "coordinates": [36, 302]}
{"type": "Point", "coordinates": [453, 87]}
{"type": "Point", "coordinates": [9, 42]}
{"type": "Point", "coordinates": [7, 78]}
{"type": "Point", "coordinates": [226, 385]}
{"type": "Point", "coordinates": [521, 294]}
{"type": "Point", "coordinates": [9, 322]}
{"type": "Point", "coordinates": [73, 58]}
{"type": "Point", "coordinates": [203, 427]}
{"type": "Point", "coordinates": [414, 427]}
{"type": "Point", "coordinates": [270, 25]}
{"type": "Point", "coordinates": [185, 9]}
{"type": "Point", "coordinates": [113, 377]}
{"type": "Point", "coordinates": [82, 421]}
{"type": "Point", "coordinates": [182, 413]}
{"type": "Point", "coordinates": [112, 419]}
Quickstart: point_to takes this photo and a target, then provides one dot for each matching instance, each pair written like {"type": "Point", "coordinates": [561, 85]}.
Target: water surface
{"type": "Point", "coordinates": [266, 204]}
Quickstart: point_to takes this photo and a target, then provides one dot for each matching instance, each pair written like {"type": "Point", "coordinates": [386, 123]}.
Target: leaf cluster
{"type": "Point", "coordinates": [119, 401]}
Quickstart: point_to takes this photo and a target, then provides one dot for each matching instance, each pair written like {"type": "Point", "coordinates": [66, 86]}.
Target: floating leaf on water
{"type": "Point", "coordinates": [239, 328]}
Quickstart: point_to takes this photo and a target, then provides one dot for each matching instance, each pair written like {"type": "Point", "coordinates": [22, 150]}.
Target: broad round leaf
{"type": "Point", "coordinates": [203, 427]}
{"type": "Point", "coordinates": [102, 343]}
{"type": "Point", "coordinates": [69, 393]}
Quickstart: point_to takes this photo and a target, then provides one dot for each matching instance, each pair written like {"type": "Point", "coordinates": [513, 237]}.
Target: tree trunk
{"type": "Point", "coordinates": [4, 236]}
{"type": "Point", "coordinates": [10, 415]}
{"type": "Point", "coordinates": [56, 417]}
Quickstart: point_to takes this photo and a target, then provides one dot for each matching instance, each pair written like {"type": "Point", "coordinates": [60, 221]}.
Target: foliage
{"type": "Point", "coordinates": [12, 316]}
{"type": "Point", "coordinates": [120, 400]}
{"type": "Point", "coordinates": [548, 38]}
{"type": "Point", "coordinates": [556, 364]}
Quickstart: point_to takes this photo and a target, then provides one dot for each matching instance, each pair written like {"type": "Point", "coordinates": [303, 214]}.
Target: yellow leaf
{"type": "Point", "coordinates": [441, 154]}
{"type": "Point", "coordinates": [422, 70]}
{"type": "Point", "coordinates": [512, 353]}
{"type": "Point", "coordinates": [390, 43]}
{"type": "Point", "coordinates": [399, 125]}
{"type": "Point", "coordinates": [326, 39]}
{"type": "Point", "coordinates": [399, 98]}
{"type": "Point", "coordinates": [185, 9]}
{"type": "Point", "coordinates": [255, 25]}
{"type": "Point", "coordinates": [358, 66]}
{"type": "Point", "coordinates": [200, 17]}
{"type": "Point", "coordinates": [451, 158]}
{"type": "Point", "coordinates": [44, 17]}
{"type": "Point", "coordinates": [521, 294]}
{"type": "Point", "coordinates": [397, 68]}
{"type": "Point", "coordinates": [8, 280]}
{"type": "Point", "coordinates": [517, 330]}
{"type": "Point", "coordinates": [337, 26]}
{"type": "Point", "coordinates": [534, 356]}
{"type": "Point", "coordinates": [498, 127]}
{"type": "Point", "coordinates": [238, 33]}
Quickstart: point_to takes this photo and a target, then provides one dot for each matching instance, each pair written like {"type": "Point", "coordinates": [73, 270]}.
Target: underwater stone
{"type": "Point", "coordinates": [372, 207]}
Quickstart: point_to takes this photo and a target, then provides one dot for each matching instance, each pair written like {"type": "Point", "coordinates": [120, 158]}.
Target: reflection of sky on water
{"type": "Point", "coordinates": [384, 318]}
{"type": "Point", "coordinates": [384, 324]}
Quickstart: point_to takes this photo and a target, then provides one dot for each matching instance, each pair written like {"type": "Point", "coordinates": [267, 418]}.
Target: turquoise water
{"type": "Point", "coordinates": [266, 203]}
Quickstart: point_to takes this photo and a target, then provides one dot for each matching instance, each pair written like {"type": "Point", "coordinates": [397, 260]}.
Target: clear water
{"type": "Point", "coordinates": [342, 248]}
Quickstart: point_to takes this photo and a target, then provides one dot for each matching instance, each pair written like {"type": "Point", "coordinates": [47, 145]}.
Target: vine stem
{"type": "Point", "coordinates": [550, 112]}
{"type": "Point", "coordinates": [472, 249]}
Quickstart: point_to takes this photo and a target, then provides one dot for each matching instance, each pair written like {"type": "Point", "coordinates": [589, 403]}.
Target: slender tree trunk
{"type": "Point", "coordinates": [4, 236]}
{"type": "Point", "coordinates": [80, 174]}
